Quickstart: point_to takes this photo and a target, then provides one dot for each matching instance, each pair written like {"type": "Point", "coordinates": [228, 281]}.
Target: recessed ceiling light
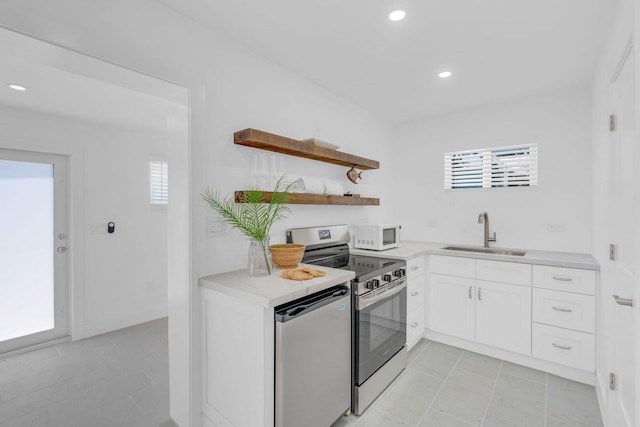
{"type": "Point", "coordinates": [444, 74]}
{"type": "Point", "coordinates": [397, 15]}
{"type": "Point", "coordinates": [16, 87]}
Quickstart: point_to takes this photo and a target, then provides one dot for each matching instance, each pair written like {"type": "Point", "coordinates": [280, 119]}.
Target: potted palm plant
{"type": "Point", "coordinates": [253, 217]}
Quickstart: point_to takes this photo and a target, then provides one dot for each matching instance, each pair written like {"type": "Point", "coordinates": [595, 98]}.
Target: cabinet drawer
{"type": "Point", "coordinates": [564, 279]}
{"type": "Point", "coordinates": [504, 272]}
{"type": "Point", "coordinates": [564, 309]}
{"type": "Point", "coordinates": [416, 291]}
{"type": "Point", "coordinates": [563, 346]}
{"type": "Point", "coordinates": [453, 266]}
{"type": "Point", "coordinates": [415, 266]}
{"type": "Point", "coordinates": [415, 326]}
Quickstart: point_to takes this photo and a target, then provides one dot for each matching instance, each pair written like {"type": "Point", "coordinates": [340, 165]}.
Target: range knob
{"type": "Point", "coordinates": [399, 272]}
{"type": "Point", "coordinates": [387, 278]}
{"type": "Point", "coordinates": [369, 284]}
{"type": "Point", "coordinates": [376, 283]}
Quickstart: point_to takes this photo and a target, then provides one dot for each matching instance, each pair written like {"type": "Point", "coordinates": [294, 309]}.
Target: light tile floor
{"type": "Point", "coordinates": [445, 386]}
{"type": "Point", "coordinates": [121, 379]}
{"type": "Point", "coordinates": [116, 379]}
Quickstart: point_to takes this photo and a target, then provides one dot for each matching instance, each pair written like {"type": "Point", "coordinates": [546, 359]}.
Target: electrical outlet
{"type": "Point", "coordinates": [556, 228]}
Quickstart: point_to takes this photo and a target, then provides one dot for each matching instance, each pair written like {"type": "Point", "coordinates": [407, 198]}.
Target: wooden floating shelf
{"type": "Point", "coordinates": [318, 199]}
{"type": "Point", "coordinates": [280, 144]}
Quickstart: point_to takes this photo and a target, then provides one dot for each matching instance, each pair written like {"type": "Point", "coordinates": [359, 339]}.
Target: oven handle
{"type": "Point", "coordinates": [366, 302]}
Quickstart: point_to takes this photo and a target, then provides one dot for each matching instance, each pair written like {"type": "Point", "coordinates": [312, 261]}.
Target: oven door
{"type": "Point", "coordinates": [380, 330]}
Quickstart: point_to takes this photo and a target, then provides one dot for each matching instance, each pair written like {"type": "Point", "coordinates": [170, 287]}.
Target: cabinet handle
{"type": "Point", "coordinates": [470, 297]}
{"type": "Point", "coordinates": [414, 293]}
{"type": "Point", "coordinates": [414, 268]}
{"type": "Point", "coordinates": [414, 324]}
{"type": "Point", "coordinates": [563, 279]}
{"type": "Point", "coordinates": [479, 294]}
{"type": "Point", "coordinates": [623, 301]}
{"type": "Point", "coordinates": [564, 310]}
{"type": "Point", "coordinates": [562, 347]}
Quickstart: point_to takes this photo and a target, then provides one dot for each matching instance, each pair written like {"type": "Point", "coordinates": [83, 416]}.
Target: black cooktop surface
{"type": "Point", "coordinates": [365, 267]}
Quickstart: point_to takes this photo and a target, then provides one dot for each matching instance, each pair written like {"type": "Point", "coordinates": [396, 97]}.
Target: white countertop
{"type": "Point", "coordinates": [273, 290]}
{"type": "Point", "coordinates": [411, 249]}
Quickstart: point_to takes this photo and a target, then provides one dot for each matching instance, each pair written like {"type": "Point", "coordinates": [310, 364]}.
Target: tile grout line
{"type": "Point", "coordinates": [441, 387]}
{"type": "Point", "coordinates": [546, 399]}
{"type": "Point", "coordinates": [493, 390]}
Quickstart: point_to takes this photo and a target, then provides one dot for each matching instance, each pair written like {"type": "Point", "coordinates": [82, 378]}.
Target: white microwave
{"type": "Point", "coordinates": [377, 237]}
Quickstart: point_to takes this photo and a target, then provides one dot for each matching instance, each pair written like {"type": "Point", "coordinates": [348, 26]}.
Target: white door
{"type": "Point", "coordinates": [503, 316]}
{"type": "Point", "coordinates": [623, 193]}
{"type": "Point", "coordinates": [33, 249]}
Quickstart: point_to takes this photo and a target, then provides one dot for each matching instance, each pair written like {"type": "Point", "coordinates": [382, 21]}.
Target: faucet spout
{"type": "Point", "coordinates": [483, 218]}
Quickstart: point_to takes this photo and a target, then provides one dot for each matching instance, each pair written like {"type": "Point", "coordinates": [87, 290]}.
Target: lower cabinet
{"type": "Point", "coordinates": [416, 297]}
{"type": "Point", "coordinates": [492, 313]}
{"type": "Point", "coordinates": [452, 305]}
{"type": "Point", "coordinates": [503, 316]}
{"type": "Point", "coordinates": [547, 312]}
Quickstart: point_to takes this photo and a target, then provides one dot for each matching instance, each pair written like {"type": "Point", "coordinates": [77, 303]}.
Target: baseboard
{"type": "Point", "coordinates": [86, 331]}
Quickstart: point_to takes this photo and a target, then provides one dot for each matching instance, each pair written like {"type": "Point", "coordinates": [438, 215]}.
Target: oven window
{"type": "Point", "coordinates": [388, 236]}
{"type": "Point", "coordinates": [382, 331]}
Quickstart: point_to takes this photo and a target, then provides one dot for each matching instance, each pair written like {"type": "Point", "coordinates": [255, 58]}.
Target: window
{"type": "Point", "coordinates": [514, 166]}
{"type": "Point", "coordinates": [159, 182]}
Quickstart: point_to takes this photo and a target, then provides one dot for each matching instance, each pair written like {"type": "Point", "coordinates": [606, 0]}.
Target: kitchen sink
{"type": "Point", "coordinates": [497, 251]}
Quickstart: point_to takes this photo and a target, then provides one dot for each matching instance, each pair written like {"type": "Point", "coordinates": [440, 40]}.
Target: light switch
{"type": "Point", "coordinates": [215, 227]}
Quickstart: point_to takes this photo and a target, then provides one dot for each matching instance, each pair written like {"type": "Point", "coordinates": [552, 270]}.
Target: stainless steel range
{"type": "Point", "coordinates": [379, 301]}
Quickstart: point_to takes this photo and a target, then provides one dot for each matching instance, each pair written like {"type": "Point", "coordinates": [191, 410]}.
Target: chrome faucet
{"type": "Point", "coordinates": [484, 218]}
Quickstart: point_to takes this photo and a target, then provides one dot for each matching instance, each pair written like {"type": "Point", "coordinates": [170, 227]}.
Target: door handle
{"type": "Point", "coordinates": [414, 293]}
{"type": "Point", "coordinates": [414, 324]}
{"type": "Point", "coordinates": [470, 297]}
{"type": "Point", "coordinates": [61, 249]}
{"type": "Point", "coordinates": [479, 294]}
{"type": "Point", "coordinates": [624, 301]}
{"type": "Point", "coordinates": [562, 279]}
{"type": "Point", "coordinates": [564, 310]}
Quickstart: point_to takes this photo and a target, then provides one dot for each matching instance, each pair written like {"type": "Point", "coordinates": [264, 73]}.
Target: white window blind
{"type": "Point", "coordinates": [513, 166]}
{"type": "Point", "coordinates": [159, 182]}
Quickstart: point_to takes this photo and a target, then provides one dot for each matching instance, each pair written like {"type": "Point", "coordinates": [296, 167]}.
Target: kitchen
{"type": "Point", "coordinates": [563, 213]}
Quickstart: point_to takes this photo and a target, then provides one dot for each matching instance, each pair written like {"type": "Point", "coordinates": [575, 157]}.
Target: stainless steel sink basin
{"type": "Point", "coordinates": [497, 251]}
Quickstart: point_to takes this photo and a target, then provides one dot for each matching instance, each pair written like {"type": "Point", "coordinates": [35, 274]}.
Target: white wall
{"type": "Point", "coordinates": [521, 217]}
{"type": "Point", "coordinates": [118, 279]}
{"type": "Point", "coordinates": [230, 89]}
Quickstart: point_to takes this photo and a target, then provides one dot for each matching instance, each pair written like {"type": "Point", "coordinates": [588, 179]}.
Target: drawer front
{"type": "Point", "coordinates": [416, 293]}
{"type": "Point", "coordinates": [452, 266]}
{"type": "Point", "coordinates": [564, 346]}
{"type": "Point", "coordinates": [415, 267]}
{"type": "Point", "coordinates": [415, 326]}
{"type": "Point", "coordinates": [504, 272]}
{"type": "Point", "coordinates": [564, 309]}
{"type": "Point", "coordinates": [564, 279]}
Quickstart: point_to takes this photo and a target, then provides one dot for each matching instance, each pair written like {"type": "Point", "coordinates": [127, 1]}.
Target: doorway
{"type": "Point", "coordinates": [622, 275]}
{"type": "Point", "coordinates": [33, 249]}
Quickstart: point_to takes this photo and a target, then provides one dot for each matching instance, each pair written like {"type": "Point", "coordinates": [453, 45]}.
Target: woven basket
{"type": "Point", "coordinates": [287, 255]}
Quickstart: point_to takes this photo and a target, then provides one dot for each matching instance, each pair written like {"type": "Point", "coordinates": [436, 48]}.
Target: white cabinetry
{"type": "Point", "coordinates": [485, 301]}
{"type": "Point", "coordinates": [416, 296]}
{"type": "Point", "coordinates": [564, 316]}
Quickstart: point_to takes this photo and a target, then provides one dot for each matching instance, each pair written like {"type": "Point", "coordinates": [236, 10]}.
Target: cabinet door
{"type": "Point", "coordinates": [503, 316]}
{"type": "Point", "coordinates": [451, 305]}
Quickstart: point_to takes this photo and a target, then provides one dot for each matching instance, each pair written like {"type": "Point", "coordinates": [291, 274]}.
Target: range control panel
{"type": "Point", "coordinates": [379, 283]}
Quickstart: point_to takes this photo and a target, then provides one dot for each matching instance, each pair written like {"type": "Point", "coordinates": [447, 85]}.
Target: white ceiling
{"type": "Point", "coordinates": [66, 84]}
{"type": "Point", "coordinates": [497, 49]}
